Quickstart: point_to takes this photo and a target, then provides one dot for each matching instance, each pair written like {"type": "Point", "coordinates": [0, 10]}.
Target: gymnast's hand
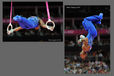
{"type": "Point", "coordinates": [50, 28]}
{"type": "Point", "coordinates": [10, 32]}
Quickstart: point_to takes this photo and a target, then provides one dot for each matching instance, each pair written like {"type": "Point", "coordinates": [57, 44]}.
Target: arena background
{"type": "Point", "coordinates": [98, 60]}
{"type": "Point", "coordinates": [42, 59]}
{"type": "Point", "coordinates": [27, 9]}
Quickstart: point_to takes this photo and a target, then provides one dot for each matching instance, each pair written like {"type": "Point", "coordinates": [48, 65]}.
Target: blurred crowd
{"type": "Point", "coordinates": [85, 67]}
{"type": "Point", "coordinates": [97, 61]}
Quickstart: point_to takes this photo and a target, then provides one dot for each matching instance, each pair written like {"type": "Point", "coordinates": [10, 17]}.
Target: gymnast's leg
{"type": "Point", "coordinates": [92, 32]}
{"type": "Point", "coordinates": [14, 30]}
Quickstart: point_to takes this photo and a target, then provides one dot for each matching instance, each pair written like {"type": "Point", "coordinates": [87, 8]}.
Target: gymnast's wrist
{"type": "Point", "coordinates": [12, 30]}
{"type": "Point", "coordinates": [48, 27]}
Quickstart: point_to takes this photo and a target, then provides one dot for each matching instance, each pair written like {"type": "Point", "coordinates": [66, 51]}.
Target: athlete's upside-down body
{"type": "Point", "coordinates": [88, 24]}
{"type": "Point", "coordinates": [32, 22]}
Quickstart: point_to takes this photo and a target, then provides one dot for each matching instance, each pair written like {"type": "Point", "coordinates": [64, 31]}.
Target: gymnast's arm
{"type": "Point", "coordinates": [42, 24]}
{"type": "Point", "coordinates": [17, 29]}
{"type": "Point", "coordinates": [14, 30]}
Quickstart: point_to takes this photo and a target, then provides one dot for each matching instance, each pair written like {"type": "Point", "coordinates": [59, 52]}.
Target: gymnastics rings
{"type": "Point", "coordinates": [49, 19]}
{"type": "Point", "coordinates": [9, 31]}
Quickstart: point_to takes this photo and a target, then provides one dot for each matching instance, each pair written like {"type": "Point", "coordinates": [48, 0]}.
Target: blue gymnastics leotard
{"type": "Point", "coordinates": [88, 25]}
{"type": "Point", "coordinates": [27, 23]}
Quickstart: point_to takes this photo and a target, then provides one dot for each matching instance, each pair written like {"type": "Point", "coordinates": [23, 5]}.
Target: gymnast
{"type": "Point", "coordinates": [32, 22]}
{"type": "Point", "coordinates": [88, 24]}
